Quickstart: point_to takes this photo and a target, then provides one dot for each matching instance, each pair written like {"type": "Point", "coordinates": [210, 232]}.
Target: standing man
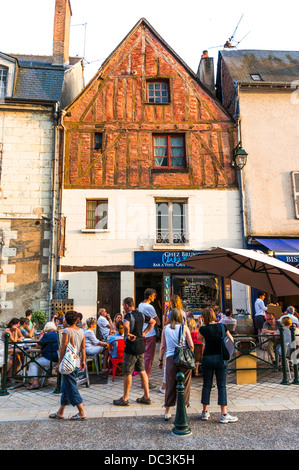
{"type": "Point", "coordinates": [260, 313]}
{"type": "Point", "coordinates": [149, 338]}
{"type": "Point", "coordinates": [134, 351]}
{"type": "Point", "coordinates": [105, 324]}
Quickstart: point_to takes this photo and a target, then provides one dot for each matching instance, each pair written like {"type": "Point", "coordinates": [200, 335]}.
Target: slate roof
{"type": "Point", "coordinates": [274, 67]}
{"type": "Point", "coordinates": [38, 79]}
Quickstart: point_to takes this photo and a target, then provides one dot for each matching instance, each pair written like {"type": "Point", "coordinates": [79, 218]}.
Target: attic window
{"type": "Point", "coordinates": [158, 91]}
{"type": "Point", "coordinates": [256, 77]}
{"type": "Point", "coordinates": [3, 81]}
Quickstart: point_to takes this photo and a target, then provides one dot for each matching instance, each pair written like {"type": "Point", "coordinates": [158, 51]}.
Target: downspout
{"type": "Point", "coordinates": [62, 114]}
{"type": "Point", "coordinates": [240, 176]}
{"type": "Point", "coordinates": [53, 217]}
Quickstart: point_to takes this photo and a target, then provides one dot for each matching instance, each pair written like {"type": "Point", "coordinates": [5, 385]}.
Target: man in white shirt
{"type": "Point", "coordinates": [150, 337]}
{"type": "Point", "coordinates": [228, 319]}
{"type": "Point", "coordinates": [260, 313]}
{"type": "Point", "coordinates": [104, 323]}
{"type": "Point", "coordinates": [290, 313]}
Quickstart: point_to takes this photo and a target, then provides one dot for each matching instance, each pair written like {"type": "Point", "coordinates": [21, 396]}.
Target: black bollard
{"type": "Point", "coordinates": [181, 424]}
{"type": "Point", "coordinates": [294, 355]}
{"type": "Point", "coordinates": [285, 380]}
{"type": "Point", "coordinates": [3, 390]}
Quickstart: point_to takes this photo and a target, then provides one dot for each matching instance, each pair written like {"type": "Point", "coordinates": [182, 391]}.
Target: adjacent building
{"type": "Point", "coordinates": [260, 89]}
{"type": "Point", "coordinates": [33, 89]}
{"type": "Point", "coordinates": [147, 181]}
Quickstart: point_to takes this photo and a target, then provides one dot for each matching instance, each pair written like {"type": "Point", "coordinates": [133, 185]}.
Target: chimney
{"type": "Point", "coordinates": [61, 36]}
{"type": "Point", "coordinates": [205, 71]}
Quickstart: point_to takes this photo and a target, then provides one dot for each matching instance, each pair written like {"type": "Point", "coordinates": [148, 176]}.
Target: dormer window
{"type": "Point", "coordinates": [8, 72]}
{"type": "Point", "coordinates": [3, 81]}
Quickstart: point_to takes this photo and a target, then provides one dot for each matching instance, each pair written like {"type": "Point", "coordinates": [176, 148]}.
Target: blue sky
{"type": "Point", "coordinates": [188, 26]}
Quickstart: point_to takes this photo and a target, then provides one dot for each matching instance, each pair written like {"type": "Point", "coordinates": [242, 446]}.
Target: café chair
{"type": "Point", "coordinates": [119, 359]}
{"type": "Point", "coordinates": [96, 358]}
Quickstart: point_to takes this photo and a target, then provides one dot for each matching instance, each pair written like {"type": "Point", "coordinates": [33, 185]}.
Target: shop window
{"type": "Point", "coordinates": [169, 151]}
{"type": "Point", "coordinates": [158, 92]}
{"type": "Point", "coordinates": [295, 176]}
{"type": "Point", "coordinates": [171, 223]}
{"type": "Point", "coordinates": [97, 214]}
{"type": "Point", "coordinates": [198, 292]}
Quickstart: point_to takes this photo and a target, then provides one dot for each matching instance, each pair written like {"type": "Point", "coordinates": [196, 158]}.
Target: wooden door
{"type": "Point", "coordinates": [109, 292]}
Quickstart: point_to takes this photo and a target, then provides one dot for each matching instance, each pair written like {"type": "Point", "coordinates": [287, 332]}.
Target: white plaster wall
{"type": "Point", "coordinates": [83, 288]}
{"type": "Point", "coordinates": [213, 220]}
{"type": "Point", "coordinates": [240, 297]}
{"type": "Point", "coordinates": [127, 286]}
{"type": "Point", "coordinates": [270, 135]}
{"type": "Point", "coordinates": [27, 140]}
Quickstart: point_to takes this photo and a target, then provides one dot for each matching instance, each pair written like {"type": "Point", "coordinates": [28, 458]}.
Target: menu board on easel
{"type": "Point", "coordinates": [197, 292]}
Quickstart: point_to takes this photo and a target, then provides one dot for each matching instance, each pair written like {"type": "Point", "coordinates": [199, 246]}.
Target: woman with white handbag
{"type": "Point", "coordinates": [70, 363]}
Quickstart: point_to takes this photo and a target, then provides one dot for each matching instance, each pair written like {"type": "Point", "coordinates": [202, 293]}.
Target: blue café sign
{"type": "Point", "coordinates": [162, 259]}
{"type": "Point", "coordinates": [292, 259]}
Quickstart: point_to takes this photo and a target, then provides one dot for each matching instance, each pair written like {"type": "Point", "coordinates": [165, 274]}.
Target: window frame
{"type": "Point", "coordinates": [161, 81]}
{"type": "Point", "coordinates": [296, 192]}
{"type": "Point", "coordinates": [169, 167]}
{"type": "Point", "coordinates": [184, 233]}
{"type": "Point", "coordinates": [95, 227]}
{"type": "Point", "coordinates": [98, 148]}
{"type": "Point", "coordinates": [4, 72]}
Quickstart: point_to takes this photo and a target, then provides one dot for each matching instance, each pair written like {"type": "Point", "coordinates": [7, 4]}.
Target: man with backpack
{"type": "Point", "coordinates": [134, 351]}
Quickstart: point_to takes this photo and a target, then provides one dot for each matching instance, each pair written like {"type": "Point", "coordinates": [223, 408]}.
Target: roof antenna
{"type": "Point", "coordinates": [229, 43]}
{"type": "Point", "coordinates": [82, 24]}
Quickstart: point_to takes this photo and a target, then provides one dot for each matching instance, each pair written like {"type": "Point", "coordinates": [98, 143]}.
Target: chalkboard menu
{"type": "Point", "coordinates": [197, 292]}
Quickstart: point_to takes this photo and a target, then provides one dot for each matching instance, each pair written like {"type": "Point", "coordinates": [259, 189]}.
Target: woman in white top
{"type": "Point", "coordinates": [93, 345]}
{"type": "Point", "coordinates": [169, 341]}
{"type": "Point", "coordinates": [69, 391]}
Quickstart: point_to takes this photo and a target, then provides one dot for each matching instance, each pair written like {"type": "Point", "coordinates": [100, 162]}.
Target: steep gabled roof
{"type": "Point", "coordinates": [145, 23]}
{"type": "Point", "coordinates": [274, 67]}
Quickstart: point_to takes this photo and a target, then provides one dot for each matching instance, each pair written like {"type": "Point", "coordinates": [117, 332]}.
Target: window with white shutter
{"type": "Point", "coordinates": [295, 177]}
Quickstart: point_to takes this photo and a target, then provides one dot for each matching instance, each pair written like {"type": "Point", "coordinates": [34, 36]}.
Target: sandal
{"type": "Point", "coordinates": [55, 416]}
{"type": "Point", "coordinates": [33, 387]}
{"type": "Point", "coordinates": [121, 402]}
{"type": "Point", "coordinates": [77, 417]}
{"type": "Point", "coordinates": [144, 401]}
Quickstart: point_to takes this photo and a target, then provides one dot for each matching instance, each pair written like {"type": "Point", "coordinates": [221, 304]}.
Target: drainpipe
{"type": "Point", "coordinates": [62, 114]}
{"type": "Point", "coordinates": [240, 176]}
{"type": "Point", "coordinates": [53, 217]}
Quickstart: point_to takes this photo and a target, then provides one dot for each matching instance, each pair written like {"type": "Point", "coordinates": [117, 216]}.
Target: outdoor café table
{"type": "Point", "coordinates": [31, 352]}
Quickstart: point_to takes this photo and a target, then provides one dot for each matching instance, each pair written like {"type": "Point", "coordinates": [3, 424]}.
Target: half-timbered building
{"type": "Point", "coordinates": [147, 181]}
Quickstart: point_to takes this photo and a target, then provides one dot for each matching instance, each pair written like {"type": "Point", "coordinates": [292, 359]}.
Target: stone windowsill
{"type": "Point", "coordinates": [95, 230]}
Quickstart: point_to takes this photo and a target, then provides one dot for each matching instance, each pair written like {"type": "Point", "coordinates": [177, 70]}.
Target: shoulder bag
{"type": "Point", "coordinates": [183, 357]}
{"type": "Point", "coordinates": [227, 345]}
{"type": "Point", "coordinates": [68, 363]}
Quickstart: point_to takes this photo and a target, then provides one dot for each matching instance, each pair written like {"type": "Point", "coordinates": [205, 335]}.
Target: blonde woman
{"type": "Point", "coordinates": [211, 334]}
{"type": "Point", "coordinates": [169, 341]}
{"type": "Point", "coordinates": [174, 302]}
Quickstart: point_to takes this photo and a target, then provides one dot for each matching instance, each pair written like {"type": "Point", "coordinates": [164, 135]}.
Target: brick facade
{"type": "Point", "coordinates": [115, 103]}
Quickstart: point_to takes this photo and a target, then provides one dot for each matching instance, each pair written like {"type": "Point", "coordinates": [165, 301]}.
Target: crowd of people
{"type": "Point", "coordinates": [138, 326]}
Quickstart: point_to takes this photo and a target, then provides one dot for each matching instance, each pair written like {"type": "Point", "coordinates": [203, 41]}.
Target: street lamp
{"type": "Point", "coordinates": [239, 157]}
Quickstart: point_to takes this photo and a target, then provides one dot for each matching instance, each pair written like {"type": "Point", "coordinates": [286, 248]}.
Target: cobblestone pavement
{"type": "Point", "coordinates": [268, 394]}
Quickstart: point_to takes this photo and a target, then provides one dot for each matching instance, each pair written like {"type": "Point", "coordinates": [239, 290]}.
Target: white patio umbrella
{"type": "Point", "coordinates": [249, 267]}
